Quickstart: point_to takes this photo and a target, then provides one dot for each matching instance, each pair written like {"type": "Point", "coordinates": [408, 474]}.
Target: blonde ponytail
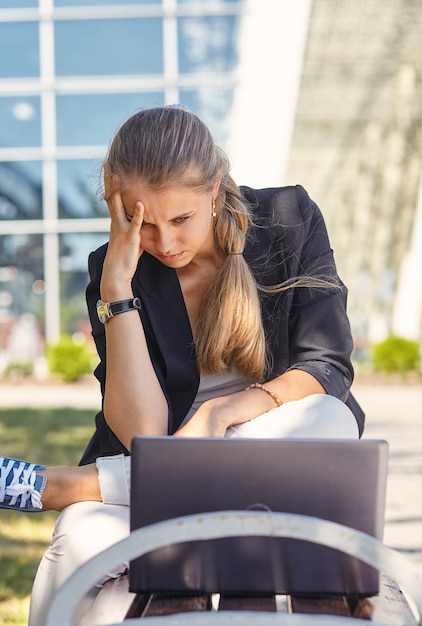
{"type": "Point", "coordinates": [230, 331]}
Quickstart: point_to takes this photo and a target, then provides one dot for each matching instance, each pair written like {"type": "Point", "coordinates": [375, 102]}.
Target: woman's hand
{"type": "Point", "coordinates": [124, 249]}
{"type": "Point", "coordinates": [215, 416]}
{"type": "Point", "coordinates": [208, 421]}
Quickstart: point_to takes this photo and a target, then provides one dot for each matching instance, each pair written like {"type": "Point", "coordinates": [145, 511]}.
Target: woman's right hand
{"type": "Point", "coordinates": [124, 249]}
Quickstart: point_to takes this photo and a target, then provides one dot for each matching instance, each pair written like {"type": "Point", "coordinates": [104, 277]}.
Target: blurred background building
{"type": "Point", "coordinates": [325, 93]}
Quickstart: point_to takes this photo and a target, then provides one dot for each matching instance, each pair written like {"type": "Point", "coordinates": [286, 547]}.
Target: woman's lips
{"type": "Point", "coordinates": [170, 257]}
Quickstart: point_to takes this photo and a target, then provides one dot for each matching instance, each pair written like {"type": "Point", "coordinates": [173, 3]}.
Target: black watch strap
{"type": "Point", "coordinates": [106, 310]}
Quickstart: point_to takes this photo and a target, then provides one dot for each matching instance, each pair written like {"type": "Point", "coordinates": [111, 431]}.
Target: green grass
{"type": "Point", "coordinates": [49, 437]}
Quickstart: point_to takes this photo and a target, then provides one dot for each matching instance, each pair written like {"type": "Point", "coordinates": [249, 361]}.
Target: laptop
{"type": "Point", "coordinates": [339, 480]}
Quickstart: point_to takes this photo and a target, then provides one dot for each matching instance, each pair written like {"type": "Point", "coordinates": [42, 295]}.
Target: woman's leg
{"type": "Point", "coordinates": [82, 531]}
{"type": "Point", "coordinates": [317, 416]}
{"type": "Point", "coordinates": [86, 525]}
{"type": "Point", "coordinates": [84, 528]}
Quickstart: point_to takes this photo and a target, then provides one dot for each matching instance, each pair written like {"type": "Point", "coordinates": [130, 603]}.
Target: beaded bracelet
{"type": "Point", "coordinates": [273, 395]}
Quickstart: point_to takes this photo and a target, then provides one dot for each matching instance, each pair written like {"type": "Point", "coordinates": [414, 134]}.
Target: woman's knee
{"type": "Point", "coordinates": [317, 416]}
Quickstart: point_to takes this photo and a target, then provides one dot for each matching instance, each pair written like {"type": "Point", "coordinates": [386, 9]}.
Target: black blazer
{"type": "Point", "coordinates": [306, 329]}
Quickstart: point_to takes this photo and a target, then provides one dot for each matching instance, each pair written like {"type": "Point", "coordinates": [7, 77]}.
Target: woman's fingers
{"type": "Point", "coordinates": [114, 201]}
{"type": "Point", "coordinates": [136, 224]}
{"type": "Point", "coordinates": [124, 249]}
{"type": "Point", "coordinates": [138, 216]}
{"type": "Point", "coordinates": [116, 208]}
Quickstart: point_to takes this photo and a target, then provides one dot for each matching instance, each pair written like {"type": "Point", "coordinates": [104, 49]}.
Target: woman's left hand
{"type": "Point", "coordinates": [209, 420]}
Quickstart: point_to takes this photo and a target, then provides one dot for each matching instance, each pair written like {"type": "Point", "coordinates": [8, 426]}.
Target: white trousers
{"type": "Point", "coordinates": [86, 528]}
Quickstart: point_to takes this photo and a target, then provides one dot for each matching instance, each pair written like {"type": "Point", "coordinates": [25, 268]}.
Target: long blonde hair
{"type": "Point", "coordinates": [162, 146]}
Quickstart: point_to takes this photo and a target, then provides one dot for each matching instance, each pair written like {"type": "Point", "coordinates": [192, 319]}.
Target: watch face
{"type": "Point", "coordinates": [102, 312]}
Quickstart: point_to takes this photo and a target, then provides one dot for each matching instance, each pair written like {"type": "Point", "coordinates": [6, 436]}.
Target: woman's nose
{"type": "Point", "coordinates": [164, 241]}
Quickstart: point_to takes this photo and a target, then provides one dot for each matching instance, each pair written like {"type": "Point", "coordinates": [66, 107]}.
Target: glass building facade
{"type": "Point", "coordinates": [71, 71]}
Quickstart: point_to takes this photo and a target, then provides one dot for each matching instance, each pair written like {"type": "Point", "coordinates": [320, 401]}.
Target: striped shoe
{"type": "Point", "coordinates": [20, 485]}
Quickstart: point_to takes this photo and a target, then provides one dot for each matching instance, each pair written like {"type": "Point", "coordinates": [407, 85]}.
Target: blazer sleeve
{"type": "Point", "coordinates": [312, 321]}
{"type": "Point", "coordinates": [319, 330]}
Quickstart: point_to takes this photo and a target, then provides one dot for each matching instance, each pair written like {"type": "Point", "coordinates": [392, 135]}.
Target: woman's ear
{"type": "Point", "coordinates": [215, 189]}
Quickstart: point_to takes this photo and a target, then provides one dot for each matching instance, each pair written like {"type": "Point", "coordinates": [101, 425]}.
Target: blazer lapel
{"type": "Point", "coordinates": [162, 300]}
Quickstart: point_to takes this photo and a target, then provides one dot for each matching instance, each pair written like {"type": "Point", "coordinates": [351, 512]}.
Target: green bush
{"type": "Point", "coordinates": [69, 359]}
{"type": "Point", "coordinates": [19, 369]}
{"type": "Point", "coordinates": [396, 354]}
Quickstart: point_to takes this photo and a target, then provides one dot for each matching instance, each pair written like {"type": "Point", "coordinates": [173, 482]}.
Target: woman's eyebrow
{"type": "Point", "coordinates": [171, 219]}
{"type": "Point", "coordinates": [185, 214]}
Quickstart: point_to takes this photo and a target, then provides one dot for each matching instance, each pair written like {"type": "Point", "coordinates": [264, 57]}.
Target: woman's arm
{"type": "Point", "coordinates": [67, 485]}
{"type": "Point", "coordinates": [134, 403]}
{"type": "Point", "coordinates": [214, 416]}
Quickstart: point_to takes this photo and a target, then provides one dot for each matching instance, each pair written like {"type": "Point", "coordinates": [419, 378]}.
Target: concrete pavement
{"type": "Point", "coordinates": [394, 413]}
{"type": "Point", "coordinates": [85, 395]}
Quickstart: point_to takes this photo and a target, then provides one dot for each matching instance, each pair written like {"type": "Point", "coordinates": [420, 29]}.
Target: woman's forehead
{"type": "Point", "coordinates": [165, 203]}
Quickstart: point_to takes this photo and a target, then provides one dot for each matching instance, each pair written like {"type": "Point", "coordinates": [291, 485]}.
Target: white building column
{"type": "Point", "coordinates": [407, 312]}
{"type": "Point", "coordinates": [272, 42]}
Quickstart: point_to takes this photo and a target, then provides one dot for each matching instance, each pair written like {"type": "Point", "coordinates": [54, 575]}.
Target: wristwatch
{"type": "Point", "coordinates": [106, 310]}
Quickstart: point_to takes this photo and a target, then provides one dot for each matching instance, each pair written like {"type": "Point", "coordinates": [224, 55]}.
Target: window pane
{"type": "Point", "coordinates": [21, 298]}
{"type": "Point", "coordinates": [74, 252]}
{"type": "Point", "coordinates": [204, 3]}
{"type": "Point", "coordinates": [207, 44]}
{"type": "Point", "coordinates": [20, 190]}
{"type": "Point", "coordinates": [93, 119]}
{"type": "Point", "coordinates": [19, 49]}
{"type": "Point", "coordinates": [213, 105]}
{"type": "Point", "coordinates": [78, 184]}
{"type": "Point", "coordinates": [17, 4]}
{"type": "Point", "coordinates": [20, 124]}
{"type": "Point", "coordinates": [109, 47]}
{"type": "Point", "coordinates": [83, 3]}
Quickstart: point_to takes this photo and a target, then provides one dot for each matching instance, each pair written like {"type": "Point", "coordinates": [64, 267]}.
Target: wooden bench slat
{"type": "Point", "coordinates": [166, 604]}
{"type": "Point", "coordinates": [139, 605]}
{"type": "Point", "coordinates": [316, 606]}
{"type": "Point", "coordinates": [390, 607]}
{"type": "Point", "coordinates": [247, 603]}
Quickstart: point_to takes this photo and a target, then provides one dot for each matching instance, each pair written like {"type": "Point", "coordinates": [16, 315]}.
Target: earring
{"type": "Point", "coordinates": [214, 214]}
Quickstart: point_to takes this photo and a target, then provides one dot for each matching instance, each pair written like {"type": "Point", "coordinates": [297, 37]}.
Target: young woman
{"type": "Point", "coordinates": [216, 311]}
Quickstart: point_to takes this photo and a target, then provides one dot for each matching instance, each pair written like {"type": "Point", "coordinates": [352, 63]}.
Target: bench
{"type": "Point", "coordinates": [389, 608]}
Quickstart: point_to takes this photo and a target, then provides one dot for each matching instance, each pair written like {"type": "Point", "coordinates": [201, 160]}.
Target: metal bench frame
{"type": "Point", "coordinates": [236, 524]}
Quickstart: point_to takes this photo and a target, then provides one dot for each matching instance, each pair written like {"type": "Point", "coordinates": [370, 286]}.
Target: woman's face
{"type": "Point", "coordinates": [177, 225]}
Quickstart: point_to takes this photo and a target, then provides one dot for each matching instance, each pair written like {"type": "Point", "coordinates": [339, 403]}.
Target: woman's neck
{"type": "Point", "coordinates": [195, 280]}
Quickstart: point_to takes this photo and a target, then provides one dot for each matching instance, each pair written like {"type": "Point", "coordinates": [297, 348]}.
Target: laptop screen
{"type": "Point", "coordinates": [337, 480]}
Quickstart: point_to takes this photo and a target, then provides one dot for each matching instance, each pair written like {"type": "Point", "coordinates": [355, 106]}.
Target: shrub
{"type": "Point", "coordinates": [396, 354]}
{"type": "Point", "coordinates": [19, 369]}
{"type": "Point", "coordinates": [69, 359]}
